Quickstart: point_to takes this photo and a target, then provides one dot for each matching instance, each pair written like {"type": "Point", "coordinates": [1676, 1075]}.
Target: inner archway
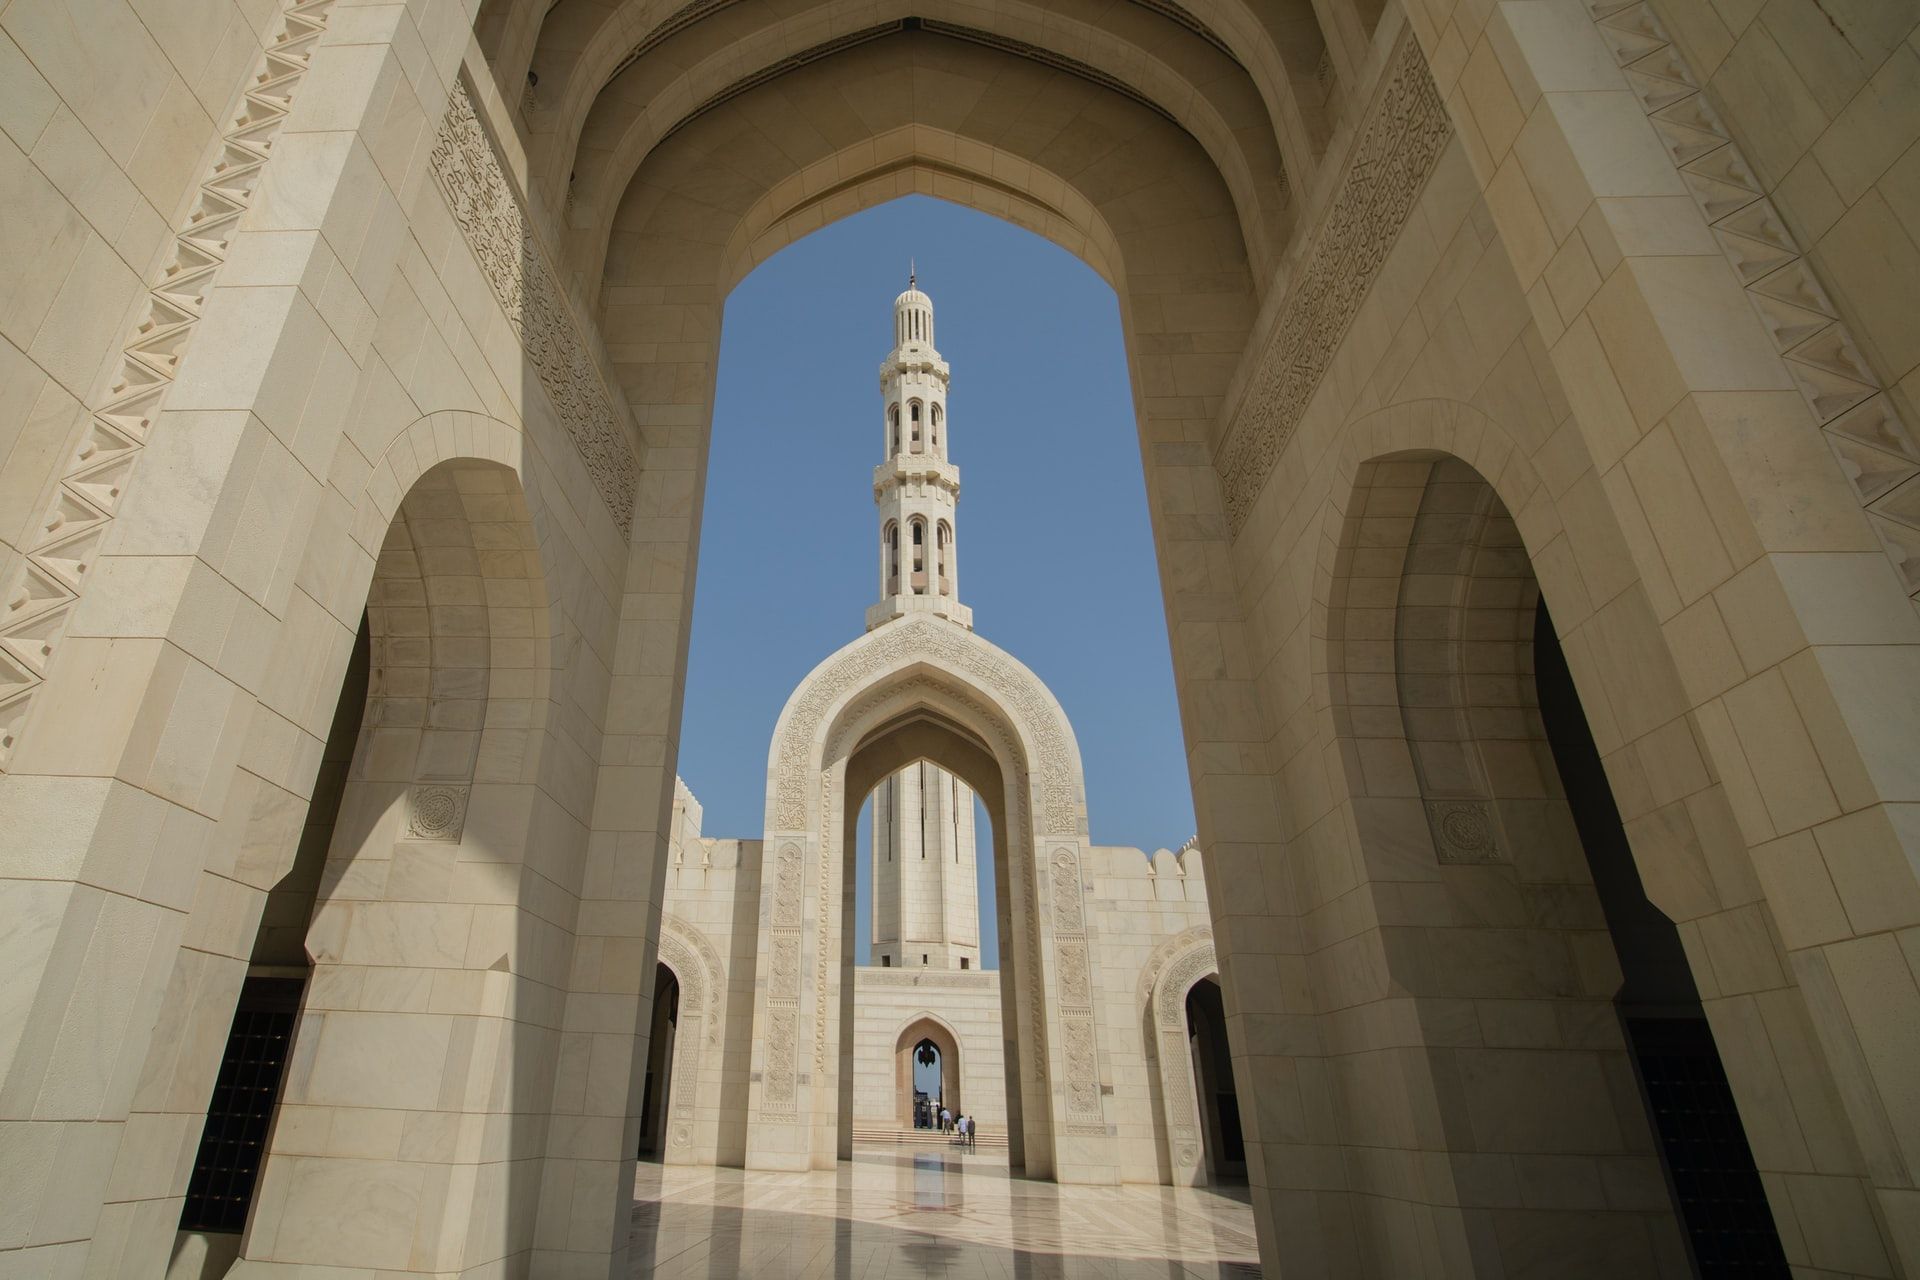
{"type": "Point", "coordinates": [923, 736]}
{"type": "Point", "coordinates": [917, 688]}
{"type": "Point", "coordinates": [1219, 1102]}
{"type": "Point", "coordinates": [927, 1058]}
{"type": "Point", "coordinates": [656, 1092]}
{"type": "Point", "coordinates": [1481, 807]}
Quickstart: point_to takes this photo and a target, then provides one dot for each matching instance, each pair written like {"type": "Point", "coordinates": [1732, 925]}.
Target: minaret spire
{"type": "Point", "coordinates": [915, 488]}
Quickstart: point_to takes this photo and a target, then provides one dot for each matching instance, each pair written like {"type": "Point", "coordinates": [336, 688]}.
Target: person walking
{"type": "Point", "coordinates": [946, 1120]}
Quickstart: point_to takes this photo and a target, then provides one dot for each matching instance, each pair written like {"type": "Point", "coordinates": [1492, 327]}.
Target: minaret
{"type": "Point", "coordinates": [916, 488]}
{"type": "Point", "coordinates": [926, 906]}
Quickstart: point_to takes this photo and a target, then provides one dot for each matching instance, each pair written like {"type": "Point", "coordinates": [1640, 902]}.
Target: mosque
{"type": "Point", "coordinates": [1527, 401]}
{"type": "Point", "coordinates": [1107, 953]}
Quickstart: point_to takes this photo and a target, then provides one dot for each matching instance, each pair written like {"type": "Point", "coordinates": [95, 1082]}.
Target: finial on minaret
{"type": "Point", "coordinates": [913, 276]}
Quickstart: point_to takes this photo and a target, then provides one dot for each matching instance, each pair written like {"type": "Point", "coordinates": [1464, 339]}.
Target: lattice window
{"type": "Point", "coordinates": [233, 1144]}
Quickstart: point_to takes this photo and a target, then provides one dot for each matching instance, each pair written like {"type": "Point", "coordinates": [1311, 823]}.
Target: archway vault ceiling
{"type": "Point", "coordinates": [1099, 167]}
{"type": "Point", "coordinates": [617, 81]}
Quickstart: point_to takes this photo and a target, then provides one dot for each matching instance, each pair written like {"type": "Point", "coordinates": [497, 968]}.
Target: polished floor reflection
{"type": "Point", "coordinates": [889, 1215]}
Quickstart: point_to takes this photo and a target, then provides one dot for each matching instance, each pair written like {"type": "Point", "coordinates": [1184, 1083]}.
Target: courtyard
{"type": "Point", "coordinates": [890, 1215]}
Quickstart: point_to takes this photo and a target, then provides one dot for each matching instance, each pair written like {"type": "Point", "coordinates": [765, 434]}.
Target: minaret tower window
{"type": "Point", "coordinates": [914, 411]}
{"type": "Point", "coordinates": [934, 427]}
{"type": "Point", "coordinates": [891, 539]}
{"type": "Point", "coordinates": [919, 557]}
{"type": "Point", "coordinates": [942, 535]}
{"type": "Point", "coordinates": [893, 418]}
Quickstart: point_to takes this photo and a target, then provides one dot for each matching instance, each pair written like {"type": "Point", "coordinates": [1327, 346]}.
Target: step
{"type": "Point", "coordinates": [874, 1134]}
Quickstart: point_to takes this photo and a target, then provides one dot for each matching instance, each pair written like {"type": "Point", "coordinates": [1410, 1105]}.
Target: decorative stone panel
{"type": "Point", "coordinates": [1398, 145]}
{"type": "Point", "coordinates": [498, 232]}
{"type": "Point", "coordinates": [1464, 831]}
{"type": "Point", "coordinates": [436, 812]}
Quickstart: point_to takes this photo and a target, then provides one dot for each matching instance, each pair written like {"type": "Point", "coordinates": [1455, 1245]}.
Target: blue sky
{"type": "Point", "coordinates": [1055, 552]}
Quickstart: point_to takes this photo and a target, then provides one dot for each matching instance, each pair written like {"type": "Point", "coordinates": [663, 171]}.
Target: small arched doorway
{"type": "Point", "coordinates": [926, 1072]}
{"type": "Point", "coordinates": [1221, 1145]}
{"type": "Point", "coordinates": [654, 1093]}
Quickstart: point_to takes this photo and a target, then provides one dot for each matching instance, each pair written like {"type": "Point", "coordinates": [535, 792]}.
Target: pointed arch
{"type": "Point", "coordinates": [1175, 967]}
{"type": "Point", "coordinates": [693, 1122]}
{"type": "Point", "coordinates": [921, 687]}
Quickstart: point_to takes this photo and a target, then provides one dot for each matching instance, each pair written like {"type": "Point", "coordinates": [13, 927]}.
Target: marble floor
{"type": "Point", "coordinates": [888, 1215]}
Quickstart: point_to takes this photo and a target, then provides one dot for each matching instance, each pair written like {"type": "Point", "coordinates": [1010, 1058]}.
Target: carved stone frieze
{"type": "Point", "coordinates": [1068, 910]}
{"type": "Point", "coordinates": [823, 889]}
{"type": "Point", "coordinates": [1076, 984]}
{"type": "Point", "coordinates": [1170, 1004]}
{"type": "Point", "coordinates": [943, 979]}
{"type": "Point", "coordinates": [786, 885]}
{"type": "Point", "coordinates": [784, 971]}
{"type": "Point", "coordinates": [1397, 147]}
{"type": "Point", "coordinates": [497, 230]}
{"type": "Point", "coordinates": [1164, 955]}
{"type": "Point", "coordinates": [1082, 1066]}
{"type": "Point", "coordinates": [782, 1028]}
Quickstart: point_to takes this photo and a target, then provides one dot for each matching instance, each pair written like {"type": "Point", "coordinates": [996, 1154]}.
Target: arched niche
{"type": "Point", "coordinates": [1173, 970]}
{"type": "Point", "coordinates": [693, 1100]}
{"type": "Point", "coordinates": [927, 1027]}
{"type": "Point", "coordinates": [925, 688]}
{"type": "Point", "coordinates": [428, 958]}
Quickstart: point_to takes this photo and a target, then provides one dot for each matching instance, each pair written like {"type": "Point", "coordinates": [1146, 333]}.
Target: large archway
{"type": "Point", "coordinates": [923, 688]}
{"type": "Point", "coordinates": [436, 820]}
{"type": "Point", "coordinates": [1510, 912]}
{"type": "Point", "coordinates": [1794, 911]}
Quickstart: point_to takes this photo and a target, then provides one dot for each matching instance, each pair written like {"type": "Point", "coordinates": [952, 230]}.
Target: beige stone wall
{"type": "Point", "coordinates": [967, 1006]}
{"type": "Point", "coordinates": [711, 908]}
{"type": "Point", "coordinates": [1147, 907]}
{"type": "Point", "coordinates": [1151, 916]}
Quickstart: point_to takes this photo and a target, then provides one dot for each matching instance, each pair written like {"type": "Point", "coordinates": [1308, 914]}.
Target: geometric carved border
{"type": "Point", "coordinates": [1388, 165]}
{"type": "Point", "coordinates": [1859, 421]}
{"type": "Point", "coordinates": [93, 480]}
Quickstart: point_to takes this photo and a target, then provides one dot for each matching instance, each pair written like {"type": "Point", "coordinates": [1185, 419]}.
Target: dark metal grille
{"type": "Point", "coordinates": [234, 1141]}
{"type": "Point", "coordinates": [1723, 1205]}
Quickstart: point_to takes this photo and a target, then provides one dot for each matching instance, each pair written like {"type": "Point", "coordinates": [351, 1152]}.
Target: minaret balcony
{"type": "Point", "coordinates": [914, 358]}
{"type": "Point", "coordinates": [900, 606]}
{"type": "Point", "coordinates": [924, 468]}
